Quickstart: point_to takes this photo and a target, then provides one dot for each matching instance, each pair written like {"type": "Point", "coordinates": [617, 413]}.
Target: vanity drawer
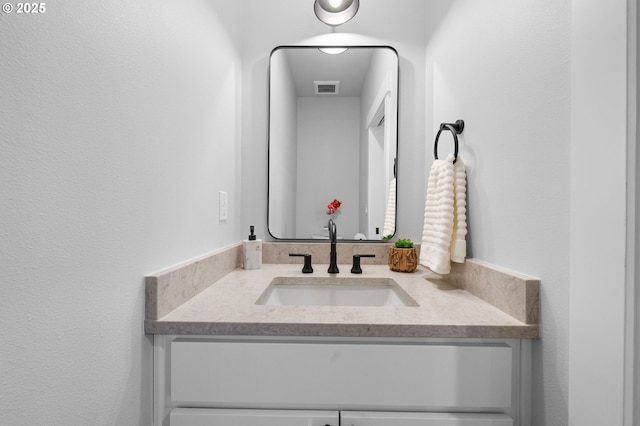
{"type": "Point", "coordinates": [340, 375]}
{"type": "Point", "coordinates": [217, 417]}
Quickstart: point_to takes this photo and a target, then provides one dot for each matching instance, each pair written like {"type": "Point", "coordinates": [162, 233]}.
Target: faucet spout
{"type": "Point", "coordinates": [333, 255]}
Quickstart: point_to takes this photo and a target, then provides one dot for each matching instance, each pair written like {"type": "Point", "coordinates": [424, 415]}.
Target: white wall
{"type": "Point", "coordinates": [634, 174]}
{"type": "Point", "coordinates": [283, 151]}
{"type": "Point", "coordinates": [503, 67]}
{"type": "Point", "coordinates": [118, 127]}
{"type": "Point", "coordinates": [382, 72]}
{"type": "Point", "coordinates": [598, 212]}
{"type": "Point", "coordinates": [265, 27]}
{"type": "Point", "coordinates": [327, 128]}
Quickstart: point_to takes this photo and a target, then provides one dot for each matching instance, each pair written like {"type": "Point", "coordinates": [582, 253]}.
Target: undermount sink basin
{"type": "Point", "coordinates": [334, 291]}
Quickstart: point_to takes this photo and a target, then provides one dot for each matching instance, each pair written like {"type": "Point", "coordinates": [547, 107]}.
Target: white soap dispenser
{"type": "Point", "coordinates": [252, 251]}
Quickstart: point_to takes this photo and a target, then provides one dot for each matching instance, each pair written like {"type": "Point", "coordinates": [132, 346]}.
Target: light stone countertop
{"type": "Point", "coordinates": [228, 307]}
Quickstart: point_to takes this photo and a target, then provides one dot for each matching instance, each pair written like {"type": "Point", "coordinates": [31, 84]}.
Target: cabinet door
{"type": "Point", "coordinates": [362, 418]}
{"type": "Point", "coordinates": [215, 417]}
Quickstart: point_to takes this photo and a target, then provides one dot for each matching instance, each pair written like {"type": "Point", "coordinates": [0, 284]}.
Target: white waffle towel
{"type": "Point", "coordinates": [445, 216]}
{"type": "Point", "coordinates": [458, 247]}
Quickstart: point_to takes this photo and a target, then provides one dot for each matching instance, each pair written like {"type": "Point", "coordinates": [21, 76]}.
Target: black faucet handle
{"type": "Point", "coordinates": [306, 269]}
{"type": "Point", "coordinates": [356, 269]}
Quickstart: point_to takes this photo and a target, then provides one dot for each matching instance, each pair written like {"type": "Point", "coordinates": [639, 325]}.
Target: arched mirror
{"type": "Point", "coordinates": [333, 115]}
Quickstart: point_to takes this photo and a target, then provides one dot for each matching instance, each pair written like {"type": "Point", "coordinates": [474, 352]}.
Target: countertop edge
{"type": "Point", "coordinates": [524, 331]}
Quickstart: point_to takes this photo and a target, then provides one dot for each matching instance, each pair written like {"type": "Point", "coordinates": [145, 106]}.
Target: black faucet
{"type": "Point", "coordinates": [333, 239]}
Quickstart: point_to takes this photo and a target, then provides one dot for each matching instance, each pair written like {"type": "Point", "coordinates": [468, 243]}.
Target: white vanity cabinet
{"type": "Point", "coordinates": [223, 417]}
{"type": "Point", "coordinates": [204, 380]}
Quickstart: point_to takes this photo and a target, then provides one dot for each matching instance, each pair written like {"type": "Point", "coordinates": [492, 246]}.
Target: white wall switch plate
{"type": "Point", "coordinates": [224, 205]}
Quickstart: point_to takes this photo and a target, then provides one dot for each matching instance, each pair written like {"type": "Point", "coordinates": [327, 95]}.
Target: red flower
{"type": "Point", "coordinates": [333, 206]}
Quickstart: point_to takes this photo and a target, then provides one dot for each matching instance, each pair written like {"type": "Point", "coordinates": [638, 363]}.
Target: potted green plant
{"type": "Point", "coordinates": [403, 256]}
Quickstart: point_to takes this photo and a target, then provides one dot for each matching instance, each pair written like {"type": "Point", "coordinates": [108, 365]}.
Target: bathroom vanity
{"type": "Point", "coordinates": [226, 352]}
{"type": "Point", "coordinates": [409, 382]}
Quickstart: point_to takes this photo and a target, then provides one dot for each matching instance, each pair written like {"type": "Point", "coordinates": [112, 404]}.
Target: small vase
{"type": "Point", "coordinates": [403, 259]}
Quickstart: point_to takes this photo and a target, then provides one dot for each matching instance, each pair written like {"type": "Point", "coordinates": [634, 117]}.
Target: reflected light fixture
{"type": "Point", "coordinates": [335, 12]}
{"type": "Point", "coordinates": [332, 50]}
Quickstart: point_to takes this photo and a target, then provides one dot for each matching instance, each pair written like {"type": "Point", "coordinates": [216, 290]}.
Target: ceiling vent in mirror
{"type": "Point", "coordinates": [326, 87]}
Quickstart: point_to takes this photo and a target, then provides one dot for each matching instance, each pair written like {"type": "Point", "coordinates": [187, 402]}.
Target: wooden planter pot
{"type": "Point", "coordinates": [403, 259]}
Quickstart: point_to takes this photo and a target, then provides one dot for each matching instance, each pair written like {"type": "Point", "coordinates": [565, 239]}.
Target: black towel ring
{"type": "Point", "coordinates": [455, 129]}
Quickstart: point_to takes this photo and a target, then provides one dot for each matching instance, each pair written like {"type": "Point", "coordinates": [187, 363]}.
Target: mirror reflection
{"type": "Point", "coordinates": [332, 142]}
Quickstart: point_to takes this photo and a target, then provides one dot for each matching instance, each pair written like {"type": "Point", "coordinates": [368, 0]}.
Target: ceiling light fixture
{"type": "Point", "coordinates": [335, 12]}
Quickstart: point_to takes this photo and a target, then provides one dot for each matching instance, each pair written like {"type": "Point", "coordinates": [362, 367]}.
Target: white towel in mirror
{"type": "Point", "coordinates": [390, 214]}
